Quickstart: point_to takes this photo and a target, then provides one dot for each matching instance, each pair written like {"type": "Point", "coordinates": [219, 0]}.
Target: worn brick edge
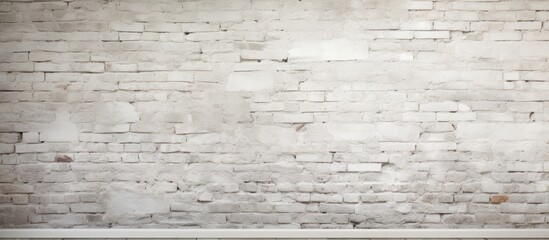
{"type": "Point", "coordinates": [274, 233]}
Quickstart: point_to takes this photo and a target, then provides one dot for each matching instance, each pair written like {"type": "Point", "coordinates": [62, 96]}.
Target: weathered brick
{"type": "Point", "coordinates": [352, 131]}
{"type": "Point", "coordinates": [87, 208]}
{"type": "Point", "coordinates": [501, 131]}
{"type": "Point", "coordinates": [364, 167]}
{"type": "Point", "coordinates": [330, 50]}
{"type": "Point", "coordinates": [250, 81]}
{"type": "Point", "coordinates": [398, 132]}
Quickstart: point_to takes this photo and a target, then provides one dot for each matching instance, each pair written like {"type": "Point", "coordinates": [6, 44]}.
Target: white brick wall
{"type": "Point", "coordinates": [274, 113]}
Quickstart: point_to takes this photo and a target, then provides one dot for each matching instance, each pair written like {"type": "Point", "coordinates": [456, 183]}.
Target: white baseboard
{"type": "Point", "coordinates": [274, 233]}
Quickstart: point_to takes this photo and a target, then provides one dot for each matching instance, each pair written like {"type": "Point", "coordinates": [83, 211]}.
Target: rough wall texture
{"type": "Point", "coordinates": [266, 113]}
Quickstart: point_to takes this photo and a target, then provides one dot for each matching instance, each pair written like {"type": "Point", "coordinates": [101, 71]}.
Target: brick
{"type": "Point", "coordinates": [503, 50]}
{"type": "Point", "coordinates": [313, 158]}
{"type": "Point", "coordinates": [432, 34]}
{"type": "Point", "coordinates": [7, 148]}
{"type": "Point", "coordinates": [293, 117]}
{"type": "Point", "coordinates": [352, 131]}
{"type": "Point", "coordinates": [162, 27]}
{"type": "Point", "coordinates": [123, 202]}
{"type": "Point", "coordinates": [522, 25]}
{"type": "Point", "coordinates": [538, 5]}
{"type": "Point", "coordinates": [336, 208]}
{"type": "Point", "coordinates": [453, 26]}
{"type": "Point", "coordinates": [498, 199]}
{"type": "Point", "coordinates": [200, 27]}
{"type": "Point", "coordinates": [277, 136]}
{"type": "Point", "coordinates": [115, 112]}
{"type": "Point", "coordinates": [250, 81]}
{"type": "Point", "coordinates": [420, 5]}
{"type": "Point", "coordinates": [418, 117]}
{"type": "Point", "coordinates": [328, 50]}
{"type": "Point", "coordinates": [397, 147]}
{"type": "Point", "coordinates": [466, 116]}
{"type": "Point", "coordinates": [60, 130]}
{"type": "Point", "coordinates": [223, 207]}
{"type": "Point", "coordinates": [289, 208]}
{"type": "Point", "coordinates": [364, 167]}
{"type": "Point", "coordinates": [503, 36]}
{"type": "Point", "coordinates": [59, 57]}
{"type": "Point", "coordinates": [525, 106]}
{"type": "Point", "coordinates": [10, 137]}
{"type": "Point", "coordinates": [88, 67]}
{"type": "Point", "coordinates": [126, 26]}
{"type": "Point", "coordinates": [472, 6]}
{"type": "Point", "coordinates": [16, 188]}
{"type": "Point", "coordinates": [31, 148]}
{"type": "Point", "coordinates": [53, 209]}
{"type": "Point", "coordinates": [207, 36]}
{"type": "Point", "coordinates": [439, 107]}
{"type": "Point", "coordinates": [461, 16]}
{"type": "Point", "coordinates": [219, 16]}
{"type": "Point", "coordinates": [5, 7]}
{"type": "Point", "coordinates": [422, 26]}
{"type": "Point", "coordinates": [87, 208]}
{"type": "Point", "coordinates": [501, 131]}
{"type": "Point", "coordinates": [398, 132]}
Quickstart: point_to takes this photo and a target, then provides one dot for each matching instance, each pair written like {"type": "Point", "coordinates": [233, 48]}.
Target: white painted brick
{"type": "Point", "coordinates": [436, 146]}
{"type": "Point", "coordinates": [398, 132]}
{"type": "Point", "coordinates": [162, 27]}
{"type": "Point", "coordinates": [277, 136]}
{"type": "Point", "coordinates": [61, 130]}
{"type": "Point", "coordinates": [416, 25]}
{"type": "Point", "coordinates": [538, 5]}
{"type": "Point", "coordinates": [460, 116]}
{"type": "Point", "coordinates": [31, 137]}
{"type": "Point", "coordinates": [503, 50]}
{"type": "Point", "coordinates": [219, 16]}
{"type": "Point", "coordinates": [6, 148]}
{"type": "Point", "coordinates": [503, 36]}
{"type": "Point", "coordinates": [293, 117]}
{"type": "Point", "coordinates": [207, 36]}
{"type": "Point", "coordinates": [453, 26]}
{"type": "Point", "coordinates": [525, 106]}
{"type": "Point", "coordinates": [127, 26]}
{"type": "Point", "coordinates": [432, 34]}
{"type": "Point", "coordinates": [336, 208]}
{"type": "Point", "coordinates": [418, 117]}
{"type": "Point", "coordinates": [501, 131]}
{"type": "Point", "coordinates": [522, 25]}
{"type": "Point", "coordinates": [397, 147]}
{"type": "Point", "coordinates": [115, 112]}
{"type": "Point", "coordinates": [352, 131]}
{"type": "Point", "coordinates": [31, 148]}
{"type": "Point", "coordinates": [461, 15]}
{"type": "Point", "coordinates": [200, 27]}
{"type": "Point", "coordinates": [364, 167]}
{"type": "Point", "coordinates": [110, 128]}
{"type": "Point", "coordinates": [484, 6]}
{"type": "Point", "coordinates": [420, 5]}
{"type": "Point", "coordinates": [307, 157]}
{"type": "Point", "coordinates": [250, 81]}
{"type": "Point", "coordinates": [88, 67]}
{"type": "Point", "coordinates": [328, 50]}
